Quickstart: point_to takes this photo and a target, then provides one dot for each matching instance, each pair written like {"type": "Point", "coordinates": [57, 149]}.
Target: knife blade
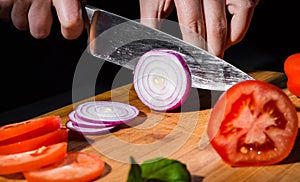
{"type": "Point", "coordinates": [122, 41]}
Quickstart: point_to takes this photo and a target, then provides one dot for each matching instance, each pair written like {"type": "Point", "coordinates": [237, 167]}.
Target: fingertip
{"type": "Point", "coordinates": [40, 20]}
{"type": "Point", "coordinates": [40, 29]}
{"type": "Point", "coordinates": [72, 31]}
{"type": "Point", "coordinates": [40, 33]}
{"type": "Point", "coordinates": [70, 17]}
{"type": "Point", "coordinates": [20, 25]}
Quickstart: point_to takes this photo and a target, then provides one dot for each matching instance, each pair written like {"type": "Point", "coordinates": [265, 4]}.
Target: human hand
{"type": "Point", "coordinates": [203, 22]}
{"type": "Point", "coordinates": [36, 16]}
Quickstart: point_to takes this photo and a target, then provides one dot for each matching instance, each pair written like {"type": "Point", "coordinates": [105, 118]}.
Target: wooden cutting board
{"type": "Point", "coordinates": [177, 135]}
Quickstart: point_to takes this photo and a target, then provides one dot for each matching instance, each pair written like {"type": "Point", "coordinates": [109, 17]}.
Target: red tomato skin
{"type": "Point", "coordinates": [75, 167]}
{"type": "Point", "coordinates": [294, 86]}
{"type": "Point", "coordinates": [226, 148]}
{"type": "Point", "coordinates": [28, 129]}
{"type": "Point", "coordinates": [26, 161]}
{"type": "Point", "coordinates": [57, 136]}
{"type": "Point", "coordinates": [292, 70]}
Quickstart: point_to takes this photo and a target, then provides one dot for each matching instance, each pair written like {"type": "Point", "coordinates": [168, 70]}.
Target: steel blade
{"type": "Point", "coordinates": [122, 41]}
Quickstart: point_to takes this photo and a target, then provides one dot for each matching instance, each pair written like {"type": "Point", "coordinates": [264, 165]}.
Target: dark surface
{"type": "Point", "coordinates": [36, 75]}
{"type": "Point", "coordinates": [274, 34]}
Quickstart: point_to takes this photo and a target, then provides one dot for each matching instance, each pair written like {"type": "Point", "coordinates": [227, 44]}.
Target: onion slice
{"type": "Point", "coordinates": [82, 123]}
{"type": "Point", "coordinates": [96, 117]}
{"type": "Point", "coordinates": [162, 79]}
{"type": "Point", "coordinates": [88, 131]}
{"type": "Point", "coordinates": [107, 112]}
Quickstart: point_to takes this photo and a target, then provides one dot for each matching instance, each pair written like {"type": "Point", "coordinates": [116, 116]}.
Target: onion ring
{"type": "Point", "coordinates": [162, 79]}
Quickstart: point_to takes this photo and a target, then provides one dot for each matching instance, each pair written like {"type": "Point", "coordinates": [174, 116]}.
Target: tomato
{"type": "Point", "coordinates": [292, 70]}
{"type": "Point", "coordinates": [59, 135]}
{"type": "Point", "coordinates": [76, 166]}
{"type": "Point", "coordinates": [253, 123]}
{"type": "Point", "coordinates": [30, 160]}
{"type": "Point", "coordinates": [11, 133]}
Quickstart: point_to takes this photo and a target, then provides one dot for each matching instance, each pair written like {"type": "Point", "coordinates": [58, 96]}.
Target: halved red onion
{"type": "Point", "coordinates": [89, 130]}
{"type": "Point", "coordinates": [107, 112]}
{"type": "Point", "coordinates": [162, 79]}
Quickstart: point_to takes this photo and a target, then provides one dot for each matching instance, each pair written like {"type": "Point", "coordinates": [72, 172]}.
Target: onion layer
{"type": "Point", "coordinates": [88, 131]}
{"type": "Point", "coordinates": [100, 116]}
{"type": "Point", "coordinates": [87, 124]}
{"type": "Point", "coordinates": [162, 79]}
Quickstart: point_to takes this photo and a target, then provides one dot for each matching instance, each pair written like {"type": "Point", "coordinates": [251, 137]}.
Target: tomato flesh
{"type": "Point", "coordinates": [34, 159]}
{"type": "Point", "coordinates": [253, 123]}
{"type": "Point", "coordinates": [57, 136]}
{"type": "Point", "coordinates": [76, 166]}
{"type": "Point", "coordinates": [28, 129]}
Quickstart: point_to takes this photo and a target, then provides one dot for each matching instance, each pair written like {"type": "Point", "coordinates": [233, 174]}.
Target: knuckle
{"type": "Point", "coordinates": [195, 26]}
{"type": "Point", "coordinates": [219, 28]}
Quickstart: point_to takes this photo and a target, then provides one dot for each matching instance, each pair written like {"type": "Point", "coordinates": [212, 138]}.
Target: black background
{"type": "Point", "coordinates": [36, 75]}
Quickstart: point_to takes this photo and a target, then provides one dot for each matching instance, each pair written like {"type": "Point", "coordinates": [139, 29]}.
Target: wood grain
{"type": "Point", "coordinates": [176, 135]}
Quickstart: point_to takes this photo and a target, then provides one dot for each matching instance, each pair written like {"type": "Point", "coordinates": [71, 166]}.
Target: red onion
{"type": "Point", "coordinates": [162, 79]}
{"type": "Point", "coordinates": [106, 112]}
{"type": "Point", "coordinates": [82, 123]}
{"type": "Point", "coordinates": [100, 116]}
{"type": "Point", "coordinates": [88, 131]}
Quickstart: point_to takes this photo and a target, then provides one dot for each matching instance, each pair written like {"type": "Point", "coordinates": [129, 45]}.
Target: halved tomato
{"type": "Point", "coordinates": [76, 166]}
{"type": "Point", "coordinates": [253, 123]}
{"type": "Point", "coordinates": [15, 132]}
{"type": "Point", "coordinates": [34, 159]}
{"type": "Point", "coordinates": [56, 136]}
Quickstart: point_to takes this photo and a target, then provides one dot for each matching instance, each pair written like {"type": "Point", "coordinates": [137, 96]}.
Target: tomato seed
{"type": "Point", "coordinates": [244, 150]}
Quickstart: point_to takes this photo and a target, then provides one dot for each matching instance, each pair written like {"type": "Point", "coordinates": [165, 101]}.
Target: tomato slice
{"type": "Point", "coordinates": [34, 159]}
{"type": "Point", "coordinates": [57, 136]}
{"type": "Point", "coordinates": [76, 166]}
{"type": "Point", "coordinates": [253, 123]}
{"type": "Point", "coordinates": [28, 129]}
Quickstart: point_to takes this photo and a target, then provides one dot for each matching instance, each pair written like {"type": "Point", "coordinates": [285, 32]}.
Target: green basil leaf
{"type": "Point", "coordinates": [135, 172]}
{"type": "Point", "coordinates": [163, 169]}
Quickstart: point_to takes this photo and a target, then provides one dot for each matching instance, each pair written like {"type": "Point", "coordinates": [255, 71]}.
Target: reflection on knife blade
{"type": "Point", "coordinates": [122, 41]}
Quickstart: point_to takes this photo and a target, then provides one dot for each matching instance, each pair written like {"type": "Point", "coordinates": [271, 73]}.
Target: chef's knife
{"type": "Point", "coordinates": [122, 41]}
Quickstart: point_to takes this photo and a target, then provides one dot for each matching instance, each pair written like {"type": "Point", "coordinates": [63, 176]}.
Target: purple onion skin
{"type": "Point", "coordinates": [88, 123]}
{"type": "Point", "coordinates": [75, 123]}
{"type": "Point", "coordinates": [77, 118]}
{"type": "Point", "coordinates": [70, 126]}
{"type": "Point", "coordinates": [181, 60]}
{"type": "Point", "coordinates": [188, 75]}
{"type": "Point", "coordinates": [82, 124]}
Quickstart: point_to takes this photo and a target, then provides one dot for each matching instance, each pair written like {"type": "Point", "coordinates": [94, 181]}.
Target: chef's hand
{"type": "Point", "coordinates": [203, 22]}
{"type": "Point", "coordinates": [36, 16]}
